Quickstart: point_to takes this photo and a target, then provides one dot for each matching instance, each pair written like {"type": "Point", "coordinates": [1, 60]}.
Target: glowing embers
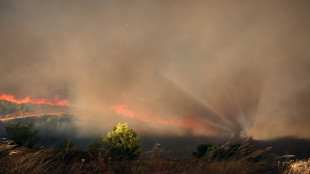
{"type": "Point", "coordinates": [148, 116]}
{"type": "Point", "coordinates": [54, 101]}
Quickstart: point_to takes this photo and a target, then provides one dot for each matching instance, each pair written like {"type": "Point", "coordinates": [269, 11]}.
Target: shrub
{"type": "Point", "coordinates": [122, 143]}
{"type": "Point", "coordinates": [202, 149]}
{"type": "Point", "coordinates": [22, 134]}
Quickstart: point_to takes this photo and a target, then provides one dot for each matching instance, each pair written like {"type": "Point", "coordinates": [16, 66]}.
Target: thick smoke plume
{"type": "Point", "coordinates": [231, 65]}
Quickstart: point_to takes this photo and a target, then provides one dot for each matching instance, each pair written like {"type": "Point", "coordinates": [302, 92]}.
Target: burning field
{"type": "Point", "coordinates": [181, 74]}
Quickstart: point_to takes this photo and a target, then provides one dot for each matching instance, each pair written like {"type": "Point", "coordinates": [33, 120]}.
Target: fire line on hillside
{"type": "Point", "coordinates": [148, 116]}
{"type": "Point", "coordinates": [52, 102]}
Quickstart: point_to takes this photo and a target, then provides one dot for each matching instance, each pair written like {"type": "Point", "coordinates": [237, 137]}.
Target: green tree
{"type": "Point", "coordinates": [22, 134]}
{"type": "Point", "coordinates": [122, 143]}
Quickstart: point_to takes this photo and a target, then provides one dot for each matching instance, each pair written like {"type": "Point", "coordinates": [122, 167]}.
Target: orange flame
{"type": "Point", "coordinates": [147, 116]}
{"type": "Point", "coordinates": [52, 102]}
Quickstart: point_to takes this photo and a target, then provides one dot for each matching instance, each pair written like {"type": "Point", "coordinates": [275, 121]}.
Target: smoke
{"type": "Point", "coordinates": [233, 66]}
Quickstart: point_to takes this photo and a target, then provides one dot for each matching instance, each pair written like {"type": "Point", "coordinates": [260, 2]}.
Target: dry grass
{"type": "Point", "coordinates": [299, 167]}
{"type": "Point", "coordinates": [46, 160]}
{"type": "Point", "coordinates": [198, 166]}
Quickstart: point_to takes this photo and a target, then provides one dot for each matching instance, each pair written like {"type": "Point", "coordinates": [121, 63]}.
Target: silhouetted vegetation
{"type": "Point", "coordinates": [22, 135]}
{"type": "Point", "coordinates": [51, 128]}
{"type": "Point", "coordinates": [210, 152]}
{"type": "Point", "coordinates": [65, 145]}
{"type": "Point", "coordinates": [118, 152]}
{"type": "Point", "coordinates": [202, 149]}
{"type": "Point", "coordinates": [96, 145]}
{"type": "Point", "coordinates": [46, 160]}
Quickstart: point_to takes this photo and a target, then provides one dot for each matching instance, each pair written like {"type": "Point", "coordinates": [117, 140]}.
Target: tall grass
{"type": "Point", "coordinates": [299, 167]}
{"type": "Point", "coordinates": [47, 160]}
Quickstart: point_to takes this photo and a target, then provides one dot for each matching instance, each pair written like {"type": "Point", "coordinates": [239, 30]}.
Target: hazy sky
{"type": "Point", "coordinates": [230, 65]}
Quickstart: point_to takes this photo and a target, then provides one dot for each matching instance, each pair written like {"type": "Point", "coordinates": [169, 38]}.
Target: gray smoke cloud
{"type": "Point", "coordinates": [232, 65]}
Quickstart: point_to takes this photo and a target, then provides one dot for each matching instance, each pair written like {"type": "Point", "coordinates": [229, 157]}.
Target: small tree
{"type": "Point", "coordinates": [122, 143]}
{"type": "Point", "coordinates": [22, 135]}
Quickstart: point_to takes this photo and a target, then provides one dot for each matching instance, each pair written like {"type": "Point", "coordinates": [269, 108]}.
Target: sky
{"type": "Point", "coordinates": [175, 68]}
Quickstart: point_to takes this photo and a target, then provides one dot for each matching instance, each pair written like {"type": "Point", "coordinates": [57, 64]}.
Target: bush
{"type": "Point", "coordinates": [22, 135]}
{"type": "Point", "coordinates": [202, 149]}
{"type": "Point", "coordinates": [122, 143]}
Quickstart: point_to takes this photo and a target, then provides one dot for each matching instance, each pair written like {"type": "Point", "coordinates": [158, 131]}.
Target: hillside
{"type": "Point", "coordinates": [10, 110]}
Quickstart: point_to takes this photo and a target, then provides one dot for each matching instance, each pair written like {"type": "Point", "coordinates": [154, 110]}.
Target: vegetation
{"type": "Point", "coordinates": [299, 166]}
{"type": "Point", "coordinates": [118, 152]}
{"type": "Point", "coordinates": [46, 160]}
{"type": "Point", "coordinates": [22, 135]}
{"type": "Point", "coordinates": [120, 143]}
{"type": "Point", "coordinates": [96, 145]}
{"type": "Point", "coordinates": [65, 145]}
{"type": "Point", "coordinates": [7, 107]}
{"type": "Point", "coordinates": [202, 149]}
{"type": "Point", "coordinates": [233, 151]}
